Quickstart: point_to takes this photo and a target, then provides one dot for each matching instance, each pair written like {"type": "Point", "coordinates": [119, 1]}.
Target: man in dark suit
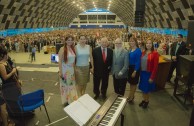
{"type": "Point", "coordinates": [102, 58]}
{"type": "Point", "coordinates": [178, 48]}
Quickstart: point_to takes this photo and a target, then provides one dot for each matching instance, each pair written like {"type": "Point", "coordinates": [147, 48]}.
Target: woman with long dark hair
{"type": "Point", "coordinates": [6, 71]}
{"type": "Point", "coordinates": [66, 71]}
{"type": "Point", "coordinates": [149, 65]}
{"type": "Point", "coordinates": [10, 84]}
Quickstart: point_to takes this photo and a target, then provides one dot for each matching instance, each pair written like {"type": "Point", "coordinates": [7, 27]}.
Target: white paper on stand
{"type": "Point", "coordinates": [82, 109]}
{"type": "Point", "coordinates": [89, 103]}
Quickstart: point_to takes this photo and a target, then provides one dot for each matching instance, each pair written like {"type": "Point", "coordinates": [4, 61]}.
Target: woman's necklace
{"type": "Point", "coordinates": [133, 49]}
{"type": "Point", "coordinates": [82, 45]}
{"type": "Point", "coordinates": [70, 50]}
{"type": "Point", "coordinates": [148, 51]}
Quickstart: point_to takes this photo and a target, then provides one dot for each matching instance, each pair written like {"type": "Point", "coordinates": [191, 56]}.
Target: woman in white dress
{"type": "Point", "coordinates": [66, 71]}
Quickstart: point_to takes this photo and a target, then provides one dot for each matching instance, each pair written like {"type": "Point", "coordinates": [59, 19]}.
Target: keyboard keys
{"type": "Point", "coordinates": [104, 122]}
{"type": "Point", "coordinates": [106, 119]}
{"type": "Point", "coordinates": [116, 105]}
{"type": "Point", "coordinates": [110, 115]}
{"type": "Point", "coordinates": [113, 113]}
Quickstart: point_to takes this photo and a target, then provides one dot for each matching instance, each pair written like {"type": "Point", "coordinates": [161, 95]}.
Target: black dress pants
{"type": "Point", "coordinates": [119, 85]}
{"type": "Point", "coordinates": [192, 118]}
{"type": "Point", "coordinates": [104, 85]}
{"type": "Point", "coordinates": [172, 68]}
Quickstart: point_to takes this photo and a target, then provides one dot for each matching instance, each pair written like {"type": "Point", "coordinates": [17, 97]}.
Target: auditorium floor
{"type": "Point", "coordinates": [163, 110]}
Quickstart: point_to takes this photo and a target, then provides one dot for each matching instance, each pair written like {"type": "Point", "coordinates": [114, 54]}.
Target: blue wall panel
{"type": "Point", "coordinates": [89, 26]}
{"type": "Point", "coordinates": [97, 26]}
{"type": "Point", "coordinates": [12, 32]}
{"type": "Point", "coordinates": [165, 31]}
{"type": "Point", "coordinates": [74, 26]}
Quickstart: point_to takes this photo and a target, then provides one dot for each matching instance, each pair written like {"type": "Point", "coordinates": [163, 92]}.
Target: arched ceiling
{"type": "Point", "coordinates": [59, 13]}
{"type": "Point", "coordinates": [169, 13]}
{"type": "Point", "coordinates": [122, 8]}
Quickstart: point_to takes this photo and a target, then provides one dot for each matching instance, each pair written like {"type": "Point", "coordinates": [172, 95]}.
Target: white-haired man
{"type": "Point", "coordinates": [120, 67]}
{"type": "Point", "coordinates": [102, 59]}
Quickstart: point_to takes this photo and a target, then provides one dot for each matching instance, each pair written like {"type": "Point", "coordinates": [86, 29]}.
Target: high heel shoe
{"type": "Point", "coordinates": [145, 105]}
{"type": "Point", "coordinates": [142, 103]}
{"type": "Point", "coordinates": [130, 100]}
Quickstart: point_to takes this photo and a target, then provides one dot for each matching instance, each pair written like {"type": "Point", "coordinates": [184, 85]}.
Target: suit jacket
{"type": "Point", "coordinates": [181, 50]}
{"type": "Point", "coordinates": [120, 64]}
{"type": "Point", "coordinates": [101, 67]}
{"type": "Point", "coordinates": [152, 63]}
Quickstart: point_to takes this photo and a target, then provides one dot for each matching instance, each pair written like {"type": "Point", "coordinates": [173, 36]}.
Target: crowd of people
{"type": "Point", "coordinates": [100, 52]}
{"type": "Point", "coordinates": [136, 65]}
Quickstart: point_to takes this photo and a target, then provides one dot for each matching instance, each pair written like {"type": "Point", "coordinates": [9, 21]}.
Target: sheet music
{"type": "Point", "coordinates": [75, 118]}
{"type": "Point", "coordinates": [82, 109]}
{"type": "Point", "coordinates": [89, 103]}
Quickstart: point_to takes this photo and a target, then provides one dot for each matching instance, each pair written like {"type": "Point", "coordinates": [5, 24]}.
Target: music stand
{"type": "Point", "coordinates": [185, 67]}
{"type": "Point", "coordinates": [82, 109]}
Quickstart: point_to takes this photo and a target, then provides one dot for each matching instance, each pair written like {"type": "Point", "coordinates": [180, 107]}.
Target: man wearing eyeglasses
{"type": "Point", "coordinates": [120, 67]}
{"type": "Point", "coordinates": [178, 48]}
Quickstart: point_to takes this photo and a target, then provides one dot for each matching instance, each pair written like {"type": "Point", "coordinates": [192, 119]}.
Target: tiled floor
{"type": "Point", "coordinates": [164, 109]}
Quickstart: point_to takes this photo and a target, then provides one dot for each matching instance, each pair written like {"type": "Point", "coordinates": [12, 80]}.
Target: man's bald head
{"type": "Point", "coordinates": [118, 43]}
{"type": "Point", "coordinates": [118, 40]}
{"type": "Point", "coordinates": [104, 42]}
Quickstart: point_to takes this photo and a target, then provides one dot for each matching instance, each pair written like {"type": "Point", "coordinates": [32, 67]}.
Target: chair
{"type": "Point", "coordinates": [30, 101]}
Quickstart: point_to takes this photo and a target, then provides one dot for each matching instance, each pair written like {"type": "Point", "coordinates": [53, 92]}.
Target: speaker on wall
{"type": "Point", "coordinates": [190, 37]}
{"type": "Point", "coordinates": [139, 5]}
{"type": "Point", "coordinates": [139, 18]}
{"type": "Point", "coordinates": [139, 9]}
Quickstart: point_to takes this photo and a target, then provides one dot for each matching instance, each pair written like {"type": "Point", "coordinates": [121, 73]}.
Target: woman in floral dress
{"type": "Point", "coordinates": [66, 71]}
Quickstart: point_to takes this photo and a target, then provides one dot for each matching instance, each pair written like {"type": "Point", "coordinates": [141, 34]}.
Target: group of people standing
{"type": "Point", "coordinates": [135, 66]}
{"type": "Point", "coordinates": [74, 68]}
{"type": "Point", "coordinates": [125, 66]}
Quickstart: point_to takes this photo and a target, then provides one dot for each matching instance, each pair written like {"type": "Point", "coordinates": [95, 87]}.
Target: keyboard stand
{"type": "Point", "coordinates": [122, 119]}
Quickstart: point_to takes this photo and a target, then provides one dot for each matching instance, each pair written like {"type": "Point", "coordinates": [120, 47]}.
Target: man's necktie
{"type": "Point", "coordinates": [103, 54]}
